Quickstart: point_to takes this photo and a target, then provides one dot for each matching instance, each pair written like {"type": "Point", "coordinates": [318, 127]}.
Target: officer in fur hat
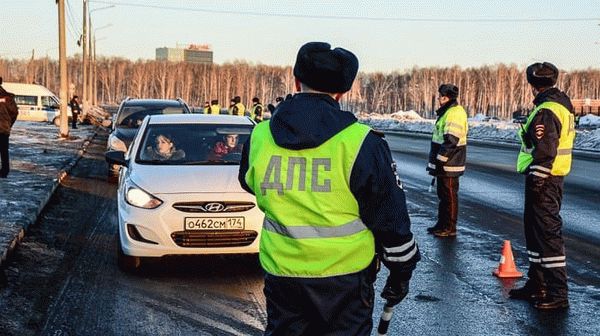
{"type": "Point", "coordinates": [334, 205]}
{"type": "Point", "coordinates": [545, 158]}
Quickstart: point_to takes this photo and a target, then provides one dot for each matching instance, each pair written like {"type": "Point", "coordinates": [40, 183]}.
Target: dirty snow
{"type": "Point", "coordinates": [588, 133]}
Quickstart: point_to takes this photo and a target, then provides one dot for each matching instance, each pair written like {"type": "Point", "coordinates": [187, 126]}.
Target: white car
{"type": "Point", "coordinates": [187, 199]}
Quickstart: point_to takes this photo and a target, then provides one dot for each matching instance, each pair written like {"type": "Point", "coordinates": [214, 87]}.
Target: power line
{"type": "Point", "coordinates": [72, 19]}
{"type": "Point", "coordinates": [338, 17]}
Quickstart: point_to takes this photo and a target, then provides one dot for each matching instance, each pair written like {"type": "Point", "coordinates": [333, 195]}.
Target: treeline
{"type": "Point", "coordinates": [496, 90]}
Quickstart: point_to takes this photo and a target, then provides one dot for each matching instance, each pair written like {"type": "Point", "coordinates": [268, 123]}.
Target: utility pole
{"type": "Point", "coordinates": [90, 74]}
{"type": "Point", "coordinates": [62, 57]}
{"type": "Point", "coordinates": [84, 92]}
{"type": "Point", "coordinates": [95, 82]}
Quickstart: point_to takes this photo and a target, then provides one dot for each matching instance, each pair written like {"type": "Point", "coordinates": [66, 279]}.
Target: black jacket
{"type": "Point", "coordinates": [544, 130]}
{"type": "Point", "coordinates": [8, 111]}
{"type": "Point", "coordinates": [307, 120]}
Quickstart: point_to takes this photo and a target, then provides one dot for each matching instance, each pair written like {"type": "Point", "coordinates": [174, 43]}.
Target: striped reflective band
{"type": "Point", "coordinates": [442, 158]}
{"type": "Point", "coordinates": [540, 168]}
{"type": "Point", "coordinates": [401, 253]}
{"type": "Point", "coordinates": [547, 262]}
{"type": "Point", "coordinates": [536, 173]}
{"type": "Point", "coordinates": [401, 248]}
{"type": "Point", "coordinates": [430, 165]}
{"type": "Point", "coordinates": [454, 169]}
{"type": "Point", "coordinates": [565, 151]}
{"type": "Point", "coordinates": [457, 126]}
{"type": "Point", "coordinates": [309, 231]}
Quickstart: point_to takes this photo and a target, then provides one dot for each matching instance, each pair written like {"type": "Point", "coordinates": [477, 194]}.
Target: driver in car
{"type": "Point", "coordinates": [227, 146]}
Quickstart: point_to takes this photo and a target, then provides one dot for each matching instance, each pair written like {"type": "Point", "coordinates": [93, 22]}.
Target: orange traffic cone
{"type": "Point", "coordinates": [507, 268]}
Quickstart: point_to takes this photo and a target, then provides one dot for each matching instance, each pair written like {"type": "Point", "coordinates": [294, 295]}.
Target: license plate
{"type": "Point", "coordinates": [214, 223]}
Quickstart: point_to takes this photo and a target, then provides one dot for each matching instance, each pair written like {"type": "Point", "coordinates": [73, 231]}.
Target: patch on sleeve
{"type": "Point", "coordinates": [539, 131]}
{"type": "Point", "coordinates": [3, 100]}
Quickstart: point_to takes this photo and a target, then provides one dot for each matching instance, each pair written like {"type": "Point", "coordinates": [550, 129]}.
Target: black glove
{"type": "Point", "coordinates": [395, 290]}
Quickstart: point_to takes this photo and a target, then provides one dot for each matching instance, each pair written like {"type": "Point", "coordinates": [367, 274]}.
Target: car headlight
{"type": "Point", "coordinates": [139, 198]}
{"type": "Point", "coordinates": [115, 143]}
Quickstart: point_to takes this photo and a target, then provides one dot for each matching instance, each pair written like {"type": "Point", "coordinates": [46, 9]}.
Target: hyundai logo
{"type": "Point", "coordinates": [214, 207]}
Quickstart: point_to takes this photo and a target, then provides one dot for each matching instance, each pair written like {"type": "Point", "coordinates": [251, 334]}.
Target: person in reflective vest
{"type": "Point", "coordinates": [206, 109]}
{"type": "Point", "coordinates": [231, 108]}
{"type": "Point", "coordinates": [238, 108]}
{"type": "Point", "coordinates": [545, 158]}
{"type": "Point", "coordinates": [333, 203]}
{"type": "Point", "coordinates": [256, 113]}
{"type": "Point", "coordinates": [447, 157]}
{"type": "Point", "coordinates": [215, 108]}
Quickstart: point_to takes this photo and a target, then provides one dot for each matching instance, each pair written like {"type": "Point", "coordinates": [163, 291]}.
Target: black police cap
{"type": "Point", "coordinates": [448, 90]}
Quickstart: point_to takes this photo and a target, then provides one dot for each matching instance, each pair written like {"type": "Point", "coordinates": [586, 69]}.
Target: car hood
{"type": "Point", "coordinates": [186, 179]}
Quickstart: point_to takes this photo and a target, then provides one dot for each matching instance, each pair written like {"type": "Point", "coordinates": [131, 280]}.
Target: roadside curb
{"type": "Point", "coordinates": [31, 217]}
{"type": "Point", "coordinates": [589, 154]}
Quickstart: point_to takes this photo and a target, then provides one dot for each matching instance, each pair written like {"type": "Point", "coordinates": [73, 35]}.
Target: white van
{"type": "Point", "coordinates": [36, 102]}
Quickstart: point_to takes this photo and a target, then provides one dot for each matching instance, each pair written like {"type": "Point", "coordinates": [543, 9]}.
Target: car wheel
{"type": "Point", "coordinates": [127, 263]}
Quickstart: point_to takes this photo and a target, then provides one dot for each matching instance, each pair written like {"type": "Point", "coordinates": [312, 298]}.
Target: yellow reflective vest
{"type": "Point", "coordinates": [561, 165]}
{"type": "Point", "coordinates": [312, 226]}
{"type": "Point", "coordinates": [444, 159]}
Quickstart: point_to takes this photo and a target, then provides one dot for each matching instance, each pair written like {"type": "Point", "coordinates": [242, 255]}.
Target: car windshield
{"type": "Point", "coordinates": [132, 116]}
{"type": "Point", "coordinates": [192, 144]}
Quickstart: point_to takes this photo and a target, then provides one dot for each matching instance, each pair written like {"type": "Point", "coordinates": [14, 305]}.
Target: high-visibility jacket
{"type": "Point", "coordinates": [448, 155]}
{"type": "Point", "coordinates": [561, 165]}
{"type": "Point", "coordinates": [215, 109]}
{"type": "Point", "coordinates": [312, 226]}
{"type": "Point", "coordinates": [241, 109]}
{"type": "Point", "coordinates": [257, 108]}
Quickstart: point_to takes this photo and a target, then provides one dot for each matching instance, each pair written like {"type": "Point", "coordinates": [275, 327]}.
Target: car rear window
{"type": "Point", "coordinates": [193, 144]}
{"type": "Point", "coordinates": [132, 116]}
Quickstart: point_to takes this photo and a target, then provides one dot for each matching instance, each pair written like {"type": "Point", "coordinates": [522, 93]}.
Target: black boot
{"type": "Point", "coordinates": [549, 302]}
{"type": "Point", "coordinates": [434, 228]}
{"type": "Point", "coordinates": [528, 292]}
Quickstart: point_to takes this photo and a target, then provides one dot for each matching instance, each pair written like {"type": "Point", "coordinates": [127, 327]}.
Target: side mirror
{"type": "Point", "coordinates": [116, 157]}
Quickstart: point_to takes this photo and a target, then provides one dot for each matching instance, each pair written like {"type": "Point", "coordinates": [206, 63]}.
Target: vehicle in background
{"type": "Point", "coordinates": [36, 103]}
{"type": "Point", "coordinates": [189, 203]}
{"type": "Point", "coordinates": [129, 117]}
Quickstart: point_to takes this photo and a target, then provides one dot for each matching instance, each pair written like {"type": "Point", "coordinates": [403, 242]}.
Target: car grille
{"type": "Point", "coordinates": [214, 206]}
{"type": "Point", "coordinates": [214, 238]}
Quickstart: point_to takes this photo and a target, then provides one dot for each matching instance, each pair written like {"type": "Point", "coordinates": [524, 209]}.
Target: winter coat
{"type": "Point", "coordinates": [8, 111]}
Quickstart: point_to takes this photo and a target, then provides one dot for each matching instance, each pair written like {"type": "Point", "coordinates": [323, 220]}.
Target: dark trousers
{"type": "Point", "coordinates": [543, 235]}
{"type": "Point", "coordinates": [339, 305]}
{"type": "Point", "coordinates": [447, 191]}
{"type": "Point", "coordinates": [4, 155]}
{"type": "Point", "coordinates": [74, 120]}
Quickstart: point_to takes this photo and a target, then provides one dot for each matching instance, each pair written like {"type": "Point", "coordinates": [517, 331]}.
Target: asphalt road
{"type": "Point", "coordinates": [63, 279]}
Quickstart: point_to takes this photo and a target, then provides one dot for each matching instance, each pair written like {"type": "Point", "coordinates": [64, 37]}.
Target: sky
{"type": "Point", "coordinates": [386, 36]}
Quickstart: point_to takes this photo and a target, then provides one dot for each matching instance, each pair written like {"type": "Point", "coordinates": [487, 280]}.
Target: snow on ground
{"type": "Point", "coordinates": [588, 133]}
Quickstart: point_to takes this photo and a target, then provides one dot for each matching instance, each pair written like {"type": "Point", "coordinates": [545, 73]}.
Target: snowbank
{"type": "Point", "coordinates": [492, 130]}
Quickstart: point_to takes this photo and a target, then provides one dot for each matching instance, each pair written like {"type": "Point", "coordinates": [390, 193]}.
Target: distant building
{"type": "Point", "coordinates": [194, 53]}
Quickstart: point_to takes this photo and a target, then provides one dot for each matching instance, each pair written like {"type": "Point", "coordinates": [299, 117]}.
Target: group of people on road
{"type": "Point", "coordinates": [256, 111]}
{"type": "Point", "coordinates": [335, 207]}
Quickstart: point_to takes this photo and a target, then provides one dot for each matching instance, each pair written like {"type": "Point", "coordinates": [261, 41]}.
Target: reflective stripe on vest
{"type": "Point", "coordinates": [561, 165]}
{"type": "Point", "coordinates": [312, 226]}
{"type": "Point", "coordinates": [454, 122]}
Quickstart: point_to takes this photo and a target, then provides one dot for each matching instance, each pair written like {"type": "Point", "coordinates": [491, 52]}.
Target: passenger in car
{"type": "Point", "coordinates": [163, 149]}
{"type": "Point", "coordinates": [227, 146]}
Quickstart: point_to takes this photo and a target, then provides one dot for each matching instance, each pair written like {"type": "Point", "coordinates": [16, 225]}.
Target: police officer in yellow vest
{"type": "Point", "coordinates": [238, 108]}
{"type": "Point", "coordinates": [545, 157]}
{"type": "Point", "coordinates": [256, 113]}
{"type": "Point", "coordinates": [215, 108]}
{"type": "Point", "coordinates": [447, 158]}
{"type": "Point", "coordinates": [332, 202]}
